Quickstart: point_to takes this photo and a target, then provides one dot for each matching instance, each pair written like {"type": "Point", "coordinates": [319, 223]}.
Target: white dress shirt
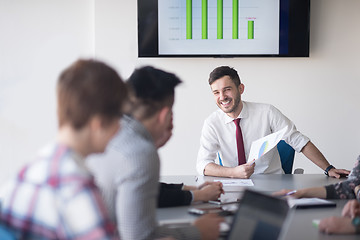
{"type": "Point", "coordinates": [257, 120]}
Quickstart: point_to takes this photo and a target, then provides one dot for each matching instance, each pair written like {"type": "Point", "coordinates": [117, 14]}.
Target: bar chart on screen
{"type": "Point", "coordinates": [218, 26]}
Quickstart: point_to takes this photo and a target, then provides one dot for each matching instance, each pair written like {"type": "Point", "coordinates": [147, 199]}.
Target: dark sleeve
{"type": "Point", "coordinates": [345, 189]}
{"type": "Point", "coordinates": [330, 192]}
{"type": "Point", "coordinates": [175, 186]}
{"type": "Point", "coordinates": [171, 195]}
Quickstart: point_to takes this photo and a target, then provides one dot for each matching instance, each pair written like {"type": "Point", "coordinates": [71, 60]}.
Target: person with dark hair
{"type": "Point", "coordinates": [55, 197]}
{"type": "Point", "coordinates": [349, 222]}
{"type": "Point", "coordinates": [128, 172]}
{"type": "Point", "coordinates": [348, 189]}
{"type": "Point", "coordinates": [227, 133]}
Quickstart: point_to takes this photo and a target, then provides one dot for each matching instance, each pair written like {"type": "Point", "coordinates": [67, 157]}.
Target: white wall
{"type": "Point", "coordinates": [320, 93]}
{"type": "Point", "coordinates": [38, 39]}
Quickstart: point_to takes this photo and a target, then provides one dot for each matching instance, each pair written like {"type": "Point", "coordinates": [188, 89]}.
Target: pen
{"type": "Point", "coordinates": [290, 193]}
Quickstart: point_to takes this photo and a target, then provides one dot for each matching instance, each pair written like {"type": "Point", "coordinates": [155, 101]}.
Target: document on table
{"type": "Point", "coordinates": [263, 145]}
{"type": "Point", "coordinates": [310, 203]}
{"type": "Point", "coordinates": [236, 182]}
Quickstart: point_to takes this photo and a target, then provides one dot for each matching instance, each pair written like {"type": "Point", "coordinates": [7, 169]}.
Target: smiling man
{"type": "Point", "coordinates": [227, 133]}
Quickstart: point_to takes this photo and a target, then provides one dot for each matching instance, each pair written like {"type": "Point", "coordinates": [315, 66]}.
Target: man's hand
{"type": "Point", "coordinates": [337, 173]}
{"type": "Point", "coordinates": [211, 191]}
{"type": "Point", "coordinates": [209, 226]}
{"type": "Point", "coordinates": [337, 225]}
{"type": "Point", "coordinates": [243, 171]}
{"type": "Point", "coordinates": [204, 184]}
{"type": "Point", "coordinates": [351, 209]}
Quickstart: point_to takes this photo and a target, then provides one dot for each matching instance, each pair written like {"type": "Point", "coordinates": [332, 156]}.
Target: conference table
{"type": "Point", "coordinates": [301, 224]}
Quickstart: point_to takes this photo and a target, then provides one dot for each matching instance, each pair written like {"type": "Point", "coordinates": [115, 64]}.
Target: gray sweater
{"type": "Point", "coordinates": [128, 176]}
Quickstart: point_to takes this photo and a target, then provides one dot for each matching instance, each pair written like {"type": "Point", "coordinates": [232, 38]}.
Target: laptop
{"type": "Point", "coordinates": [259, 216]}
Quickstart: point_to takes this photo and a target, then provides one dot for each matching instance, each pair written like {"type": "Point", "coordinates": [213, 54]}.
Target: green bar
{"type": "Point", "coordinates": [235, 32]}
{"type": "Point", "coordinates": [188, 19]}
{"type": "Point", "coordinates": [204, 20]}
{"type": "Point", "coordinates": [219, 19]}
{"type": "Point", "coordinates": [250, 29]}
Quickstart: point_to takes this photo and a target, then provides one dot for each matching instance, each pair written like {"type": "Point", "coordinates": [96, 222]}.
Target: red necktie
{"type": "Point", "coordinates": [239, 142]}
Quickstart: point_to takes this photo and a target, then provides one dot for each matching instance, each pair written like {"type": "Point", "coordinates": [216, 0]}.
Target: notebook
{"type": "Point", "coordinates": [259, 216]}
{"type": "Point", "coordinates": [310, 203]}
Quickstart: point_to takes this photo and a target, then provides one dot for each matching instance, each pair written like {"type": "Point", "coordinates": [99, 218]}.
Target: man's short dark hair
{"type": "Point", "coordinates": [88, 88]}
{"type": "Point", "coordinates": [222, 71]}
{"type": "Point", "coordinates": [150, 89]}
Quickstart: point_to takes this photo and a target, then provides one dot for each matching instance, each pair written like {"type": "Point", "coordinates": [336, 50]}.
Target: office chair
{"type": "Point", "coordinates": [287, 154]}
{"type": "Point", "coordinates": [220, 161]}
{"type": "Point", "coordinates": [6, 234]}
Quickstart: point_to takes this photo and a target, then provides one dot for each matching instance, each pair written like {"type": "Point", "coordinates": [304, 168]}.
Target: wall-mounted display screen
{"type": "Point", "coordinates": [223, 28]}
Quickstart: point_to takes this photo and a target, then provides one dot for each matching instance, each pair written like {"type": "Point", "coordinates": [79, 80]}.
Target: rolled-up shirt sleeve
{"type": "Point", "coordinates": [293, 137]}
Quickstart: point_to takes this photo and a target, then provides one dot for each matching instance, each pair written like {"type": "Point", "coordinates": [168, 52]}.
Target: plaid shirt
{"type": "Point", "coordinates": [55, 197]}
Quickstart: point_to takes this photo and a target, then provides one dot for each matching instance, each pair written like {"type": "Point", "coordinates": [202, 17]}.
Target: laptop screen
{"type": "Point", "coordinates": [259, 216]}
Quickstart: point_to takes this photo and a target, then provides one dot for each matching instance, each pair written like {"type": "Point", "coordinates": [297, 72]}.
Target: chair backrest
{"type": "Point", "coordinates": [6, 234]}
{"type": "Point", "coordinates": [220, 161]}
{"type": "Point", "coordinates": [287, 154]}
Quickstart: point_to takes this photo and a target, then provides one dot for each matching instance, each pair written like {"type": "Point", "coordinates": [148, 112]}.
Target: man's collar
{"type": "Point", "coordinates": [243, 114]}
{"type": "Point", "coordinates": [137, 126]}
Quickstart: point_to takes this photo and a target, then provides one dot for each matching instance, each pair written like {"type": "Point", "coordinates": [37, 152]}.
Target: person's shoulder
{"type": "Point", "coordinates": [36, 171]}
{"type": "Point", "coordinates": [255, 106]}
{"type": "Point", "coordinates": [357, 163]}
{"type": "Point", "coordinates": [215, 116]}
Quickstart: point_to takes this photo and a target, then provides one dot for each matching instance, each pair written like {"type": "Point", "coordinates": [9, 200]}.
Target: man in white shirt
{"type": "Point", "coordinates": [218, 138]}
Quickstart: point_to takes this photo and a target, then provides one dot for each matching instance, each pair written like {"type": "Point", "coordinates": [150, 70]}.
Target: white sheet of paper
{"type": "Point", "coordinates": [263, 145]}
{"type": "Point", "coordinates": [235, 182]}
